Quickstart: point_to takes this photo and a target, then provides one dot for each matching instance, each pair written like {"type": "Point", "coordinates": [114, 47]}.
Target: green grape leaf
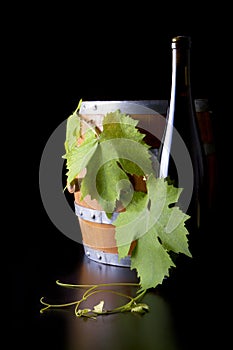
{"type": "Point", "coordinates": [79, 156]}
{"type": "Point", "coordinates": [119, 125]}
{"type": "Point", "coordinates": [158, 228]}
{"type": "Point", "coordinates": [116, 156]}
{"type": "Point", "coordinates": [72, 130]}
{"type": "Point", "coordinates": [131, 223]}
{"type": "Point", "coordinates": [151, 260]}
{"type": "Point", "coordinates": [105, 183]}
{"type": "Point", "coordinates": [168, 220]}
{"type": "Point", "coordinates": [131, 167]}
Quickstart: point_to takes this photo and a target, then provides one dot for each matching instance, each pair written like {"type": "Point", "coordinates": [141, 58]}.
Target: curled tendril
{"type": "Point", "coordinates": [133, 305]}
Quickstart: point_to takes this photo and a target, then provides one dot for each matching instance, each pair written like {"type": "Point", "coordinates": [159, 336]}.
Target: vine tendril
{"type": "Point", "coordinates": [132, 305]}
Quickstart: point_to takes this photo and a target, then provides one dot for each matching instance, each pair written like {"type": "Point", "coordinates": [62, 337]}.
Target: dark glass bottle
{"type": "Point", "coordinates": [181, 154]}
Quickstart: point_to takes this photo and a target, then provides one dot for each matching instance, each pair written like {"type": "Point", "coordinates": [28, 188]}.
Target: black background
{"type": "Point", "coordinates": [58, 56]}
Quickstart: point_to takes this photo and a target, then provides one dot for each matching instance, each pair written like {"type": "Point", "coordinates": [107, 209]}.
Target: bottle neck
{"type": "Point", "coordinates": [181, 72]}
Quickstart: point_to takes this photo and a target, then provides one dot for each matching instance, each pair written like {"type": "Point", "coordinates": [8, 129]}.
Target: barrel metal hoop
{"type": "Point", "coordinates": [106, 258]}
{"type": "Point", "coordinates": [93, 215]}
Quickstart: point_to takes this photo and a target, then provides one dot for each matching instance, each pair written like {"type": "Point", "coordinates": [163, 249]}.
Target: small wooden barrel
{"type": "Point", "coordinates": [98, 231]}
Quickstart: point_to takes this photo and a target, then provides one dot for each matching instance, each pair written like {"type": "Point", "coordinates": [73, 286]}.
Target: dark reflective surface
{"type": "Point", "coordinates": [181, 313]}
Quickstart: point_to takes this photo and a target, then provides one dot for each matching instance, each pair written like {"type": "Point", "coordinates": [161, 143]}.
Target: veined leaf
{"type": "Point", "coordinates": [105, 183]}
{"type": "Point", "coordinates": [158, 229]}
{"type": "Point", "coordinates": [72, 131]}
{"type": "Point", "coordinates": [105, 173]}
{"type": "Point", "coordinates": [151, 260]}
{"type": "Point", "coordinates": [168, 221]}
{"type": "Point", "coordinates": [79, 156]}
{"type": "Point", "coordinates": [132, 223]}
{"type": "Point", "coordinates": [119, 125]}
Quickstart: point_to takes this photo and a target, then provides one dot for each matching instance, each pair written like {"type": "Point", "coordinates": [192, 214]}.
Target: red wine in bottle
{"type": "Point", "coordinates": [181, 153]}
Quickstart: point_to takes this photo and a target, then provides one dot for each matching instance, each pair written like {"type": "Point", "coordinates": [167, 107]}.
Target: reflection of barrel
{"type": "Point", "coordinates": [204, 118]}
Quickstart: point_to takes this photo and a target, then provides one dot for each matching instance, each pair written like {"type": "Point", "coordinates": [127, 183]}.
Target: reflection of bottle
{"type": "Point", "coordinates": [181, 153]}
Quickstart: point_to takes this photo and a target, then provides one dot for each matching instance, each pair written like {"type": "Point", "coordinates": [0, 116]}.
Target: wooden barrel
{"type": "Point", "coordinates": [98, 231]}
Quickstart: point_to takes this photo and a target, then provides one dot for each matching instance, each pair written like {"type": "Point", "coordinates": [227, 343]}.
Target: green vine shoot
{"type": "Point", "coordinates": [133, 305]}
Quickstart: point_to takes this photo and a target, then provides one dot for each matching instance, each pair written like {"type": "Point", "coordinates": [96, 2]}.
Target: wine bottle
{"type": "Point", "coordinates": [181, 153]}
